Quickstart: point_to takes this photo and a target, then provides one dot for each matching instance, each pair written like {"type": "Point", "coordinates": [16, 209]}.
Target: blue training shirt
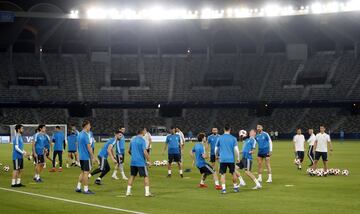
{"type": "Point", "coordinates": [137, 147]}
{"type": "Point", "coordinates": [41, 142]}
{"type": "Point", "coordinates": [212, 140]}
{"type": "Point", "coordinates": [263, 139]}
{"type": "Point", "coordinates": [58, 139]}
{"type": "Point", "coordinates": [199, 150]}
{"type": "Point", "coordinates": [83, 141]}
{"type": "Point", "coordinates": [72, 139]}
{"type": "Point", "coordinates": [226, 145]}
{"type": "Point", "coordinates": [104, 150]}
{"type": "Point", "coordinates": [120, 146]}
{"type": "Point", "coordinates": [19, 143]}
{"type": "Point", "coordinates": [248, 146]}
{"type": "Point", "coordinates": [173, 141]}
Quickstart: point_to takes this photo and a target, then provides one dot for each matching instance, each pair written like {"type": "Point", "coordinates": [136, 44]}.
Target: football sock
{"type": "Point", "coordinates": [147, 190]}
{"type": "Point", "coordinates": [217, 183]}
{"type": "Point", "coordinates": [86, 188]}
{"type": "Point", "coordinates": [235, 185]}
{"type": "Point", "coordinates": [128, 189]}
{"type": "Point", "coordinates": [18, 181]}
{"type": "Point", "coordinates": [78, 185]}
{"type": "Point", "coordinates": [270, 176]}
{"type": "Point", "coordinates": [169, 172]}
{"type": "Point", "coordinates": [13, 182]}
{"type": "Point", "coordinates": [241, 180]}
{"type": "Point", "coordinates": [180, 171]}
{"type": "Point", "coordinates": [201, 181]}
{"type": "Point", "coordinates": [257, 182]}
{"type": "Point", "coordinates": [223, 186]}
{"type": "Point", "coordinates": [114, 173]}
{"type": "Point", "coordinates": [260, 177]}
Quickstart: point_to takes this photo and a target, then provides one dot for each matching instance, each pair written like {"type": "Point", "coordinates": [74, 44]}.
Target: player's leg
{"type": "Point", "coordinates": [104, 171]}
{"type": "Point", "coordinates": [85, 180]}
{"type": "Point", "coordinates": [15, 173]}
{"type": "Point", "coordinates": [260, 163]}
{"type": "Point", "coordinates": [325, 161]}
{"type": "Point", "coordinates": [116, 167]}
{"type": "Point", "coordinates": [121, 167]}
{"type": "Point", "coordinates": [60, 160]}
{"type": "Point", "coordinates": [222, 171]}
{"type": "Point", "coordinates": [170, 160]}
{"type": "Point", "coordinates": [234, 177]}
{"type": "Point", "coordinates": [133, 173]}
{"type": "Point", "coordinates": [316, 160]}
{"type": "Point", "coordinates": [99, 169]}
{"type": "Point", "coordinates": [179, 161]}
{"type": "Point", "coordinates": [211, 171]}
{"type": "Point", "coordinates": [310, 155]}
{"type": "Point", "coordinates": [143, 172]}
{"type": "Point", "coordinates": [268, 166]}
{"type": "Point", "coordinates": [78, 187]}
{"type": "Point", "coordinates": [240, 166]}
{"type": "Point", "coordinates": [55, 153]}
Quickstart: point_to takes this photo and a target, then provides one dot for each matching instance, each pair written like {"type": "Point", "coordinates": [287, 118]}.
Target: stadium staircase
{"type": "Point", "coordinates": [77, 78]}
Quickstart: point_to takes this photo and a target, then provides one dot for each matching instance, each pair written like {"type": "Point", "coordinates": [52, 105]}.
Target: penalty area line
{"type": "Point", "coordinates": [72, 201]}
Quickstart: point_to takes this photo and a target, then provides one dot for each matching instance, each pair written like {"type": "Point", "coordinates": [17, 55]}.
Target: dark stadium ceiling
{"type": "Point", "coordinates": [321, 32]}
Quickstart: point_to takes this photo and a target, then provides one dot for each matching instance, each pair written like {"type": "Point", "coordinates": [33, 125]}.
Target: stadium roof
{"type": "Point", "coordinates": [321, 32]}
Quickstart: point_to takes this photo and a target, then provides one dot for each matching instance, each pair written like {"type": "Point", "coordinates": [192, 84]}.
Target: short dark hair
{"type": "Point", "coordinates": [172, 127]}
{"type": "Point", "coordinates": [85, 123]}
{"type": "Point", "coordinates": [58, 127]}
{"type": "Point", "coordinates": [140, 130]}
{"type": "Point", "coordinates": [227, 127]}
{"type": "Point", "coordinates": [322, 125]}
{"type": "Point", "coordinates": [201, 136]}
{"type": "Point", "coordinates": [18, 127]}
{"type": "Point", "coordinates": [41, 126]}
{"type": "Point", "coordinates": [117, 132]}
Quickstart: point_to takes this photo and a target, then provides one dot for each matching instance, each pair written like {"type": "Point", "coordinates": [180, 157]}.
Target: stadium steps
{"type": "Point", "coordinates": [77, 78]}
{"type": "Point", "coordinates": [336, 126]}
{"type": "Point", "coordinates": [355, 83]}
{"type": "Point", "coordinates": [297, 122]}
{"type": "Point", "coordinates": [333, 70]}
{"type": "Point", "coordinates": [299, 70]}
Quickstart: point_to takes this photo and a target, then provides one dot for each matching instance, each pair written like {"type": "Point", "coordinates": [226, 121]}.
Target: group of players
{"type": "Point", "coordinates": [221, 148]}
{"type": "Point", "coordinates": [318, 148]}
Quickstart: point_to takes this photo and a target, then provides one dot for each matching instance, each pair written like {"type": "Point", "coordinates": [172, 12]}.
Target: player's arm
{"type": "Point", "coordinates": [111, 153]}
{"type": "Point", "coordinates": [33, 147]}
{"type": "Point", "coordinates": [146, 154]}
{"type": "Point", "coordinates": [88, 146]}
{"type": "Point", "coordinates": [165, 147]}
{"type": "Point", "coordinates": [17, 148]}
{"type": "Point", "coordinates": [330, 144]}
{"type": "Point", "coordinates": [150, 141]}
{"type": "Point", "coordinates": [270, 145]}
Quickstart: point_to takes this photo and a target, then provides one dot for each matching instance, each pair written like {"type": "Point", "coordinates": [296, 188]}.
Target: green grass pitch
{"type": "Point", "coordinates": [332, 194]}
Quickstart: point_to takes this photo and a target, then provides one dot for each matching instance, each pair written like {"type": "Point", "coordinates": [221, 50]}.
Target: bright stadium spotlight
{"type": "Point", "coordinates": [128, 14]}
{"type": "Point", "coordinates": [332, 7]}
{"type": "Point", "coordinates": [96, 13]}
{"type": "Point", "coordinates": [287, 11]}
{"type": "Point", "coordinates": [317, 8]}
{"type": "Point", "coordinates": [113, 14]}
{"type": "Point", "coordinates": [242, 13]}
{"type": "Point", "coordinates": [353, 5]}
{"type": "Point", "coordinates": [272, 10]}
{"type": "Point", "coordinates": [74, 14]}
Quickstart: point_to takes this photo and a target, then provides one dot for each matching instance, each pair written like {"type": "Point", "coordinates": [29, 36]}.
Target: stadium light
{"type": "Point", "coordinates": [74, 14]}
{"type": "Point", "coordinates": [317, 8]}
{"type": "Point", "coordinates": [270, 10]}
{"type": "Point", "coordinates": [96, 13]}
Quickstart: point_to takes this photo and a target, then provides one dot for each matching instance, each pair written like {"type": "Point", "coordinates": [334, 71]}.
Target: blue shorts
{"type": "Point", "coordinates": [263, 155]}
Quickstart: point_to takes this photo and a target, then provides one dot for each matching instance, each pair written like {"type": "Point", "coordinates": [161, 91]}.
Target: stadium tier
{"type": "Point", "coordinates": [104, 121]}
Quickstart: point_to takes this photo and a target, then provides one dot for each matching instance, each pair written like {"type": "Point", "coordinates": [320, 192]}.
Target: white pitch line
{"type": "Point", "coordinates": [72, 201]}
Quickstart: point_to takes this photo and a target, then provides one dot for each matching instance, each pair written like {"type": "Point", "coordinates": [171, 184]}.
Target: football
{"type": "Point", "coordinates": [345, 172]}
{"type": "Point", "coordinates": [337, 171]}
{"type": "Point", "coordinates": [331, 171]}
{"type": "Point", "coordinates": [242, 133]}
{"type": "Point", "coordinates": [297, 161]}
{"type": "Point", "coordinates": [6, 168]}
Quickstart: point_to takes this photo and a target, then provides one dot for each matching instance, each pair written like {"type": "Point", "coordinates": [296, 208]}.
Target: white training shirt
{"type": "Point", "coordinates": [311, 140]}
{"type": "Point", "coordinates": [147, 138]}
{"type": "Point", "coordinates": [322, 141]}
{"type": "Point", "coordinates": [299, 141]}
{"type": "Point", "coordinates": [182, 137]}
